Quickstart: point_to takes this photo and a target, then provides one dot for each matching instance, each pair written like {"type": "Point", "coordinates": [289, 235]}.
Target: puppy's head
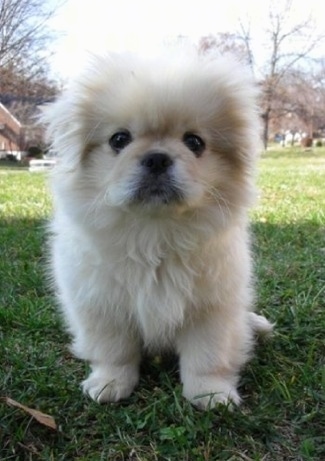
{"type": "Point", "coordinates": [179, 131]}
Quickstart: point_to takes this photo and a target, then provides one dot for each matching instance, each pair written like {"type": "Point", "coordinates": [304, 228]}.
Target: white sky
{"type": "Point", "coordinates": [116, 25]}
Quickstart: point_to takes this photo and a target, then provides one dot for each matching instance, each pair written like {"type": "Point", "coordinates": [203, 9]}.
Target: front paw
{"type": "Point", "coordinates": [111, 385]}
{"type": "Point", "coordinates": [207, 392]}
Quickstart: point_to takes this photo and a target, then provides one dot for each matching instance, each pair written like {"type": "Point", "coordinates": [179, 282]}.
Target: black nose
{"type": "Point", "coordinates": [156, 162]}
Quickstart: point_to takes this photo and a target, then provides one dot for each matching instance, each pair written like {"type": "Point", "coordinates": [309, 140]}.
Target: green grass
{"type": "Point", "coordinates": [282, 417]}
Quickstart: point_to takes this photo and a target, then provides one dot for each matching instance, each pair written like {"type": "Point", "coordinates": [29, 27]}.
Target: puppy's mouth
{"type": "Point", "coordinates": [162, 190]}
{"type": "Point", "coordinates": [157, 184]}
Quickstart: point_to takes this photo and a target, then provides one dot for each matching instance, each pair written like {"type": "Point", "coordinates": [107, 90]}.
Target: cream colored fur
{"type": "Point", "coordinates": [134, 275]}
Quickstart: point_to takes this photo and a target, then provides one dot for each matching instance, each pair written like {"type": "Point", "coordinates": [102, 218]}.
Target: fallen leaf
{"type": "Point", "coordinates": [42, 418]}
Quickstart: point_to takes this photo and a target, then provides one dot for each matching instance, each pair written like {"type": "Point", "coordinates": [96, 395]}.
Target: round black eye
{"type": "Point", "coordinates": [120, 140]}
{"type": "Point", "coordinates": [194, 143]}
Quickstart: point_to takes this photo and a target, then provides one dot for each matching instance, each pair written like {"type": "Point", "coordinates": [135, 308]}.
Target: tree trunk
{"type": "Point", "coordinates": [266, 120]}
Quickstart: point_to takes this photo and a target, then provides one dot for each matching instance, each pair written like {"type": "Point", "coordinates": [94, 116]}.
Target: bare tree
{"type": "Point", "coordinates": [287, 45]}
{"type": "Point", "coordinates": [293, 105]}
{"type": "Point", "coordinates": [309, 99]}
{"type": "Point", "coordinates": [25, 40]}
{"type": "Point", "coordinates": [23, 30]}
{"type": "Point", "coordinates": [244, 36]}
{"type": "Point", "coordinates": [224, 43]}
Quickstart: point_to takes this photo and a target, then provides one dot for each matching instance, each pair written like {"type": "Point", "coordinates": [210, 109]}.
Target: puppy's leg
{"type": "Point", "coordinates": [114, 357]}
{"type": "Point", "coordinates": [212, 352]}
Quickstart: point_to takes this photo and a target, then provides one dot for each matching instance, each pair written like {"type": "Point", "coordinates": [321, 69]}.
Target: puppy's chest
{"type": "Point", "coordinates": [157, 291]}
{"type": "Point", "coordinates": [159, 274]}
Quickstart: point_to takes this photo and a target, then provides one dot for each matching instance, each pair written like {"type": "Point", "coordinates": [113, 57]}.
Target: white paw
{"type": "Point", "coordinates": [104, 385]}
{"type": "Point", "coordinates": [206, 393]}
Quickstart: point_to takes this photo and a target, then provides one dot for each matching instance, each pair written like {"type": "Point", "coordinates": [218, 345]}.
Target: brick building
{"type": "Point", "coordinates": [11, 133]}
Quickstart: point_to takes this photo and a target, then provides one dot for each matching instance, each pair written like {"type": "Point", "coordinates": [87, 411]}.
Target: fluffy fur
{"type": "Point", "coordinates": [150, 248]}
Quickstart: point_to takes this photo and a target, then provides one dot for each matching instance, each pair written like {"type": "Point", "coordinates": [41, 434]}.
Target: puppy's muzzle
{"type": "Point", "coordinates": [157, 183]}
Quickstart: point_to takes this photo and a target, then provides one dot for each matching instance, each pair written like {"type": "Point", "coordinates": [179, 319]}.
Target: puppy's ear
{"type": "Point", "coordinates": [238, 119]}
{"type": "Point", "coordinates": [64, 130]}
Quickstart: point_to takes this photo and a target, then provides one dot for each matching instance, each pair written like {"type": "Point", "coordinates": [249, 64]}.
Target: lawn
{"type": "Point", "coordinates": [283, 413]}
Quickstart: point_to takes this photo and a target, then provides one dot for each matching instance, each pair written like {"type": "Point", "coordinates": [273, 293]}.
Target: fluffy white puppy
{"type": "Point", "coordinates": [150, 248]}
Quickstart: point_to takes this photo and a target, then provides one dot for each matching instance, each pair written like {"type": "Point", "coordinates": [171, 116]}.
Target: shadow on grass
{"type": "Point", "coordinates": [289, 261]}
{"type": "Point", "coordinates": [22, 256]}
{"type": "Point", "coordinates": [280, 417]}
